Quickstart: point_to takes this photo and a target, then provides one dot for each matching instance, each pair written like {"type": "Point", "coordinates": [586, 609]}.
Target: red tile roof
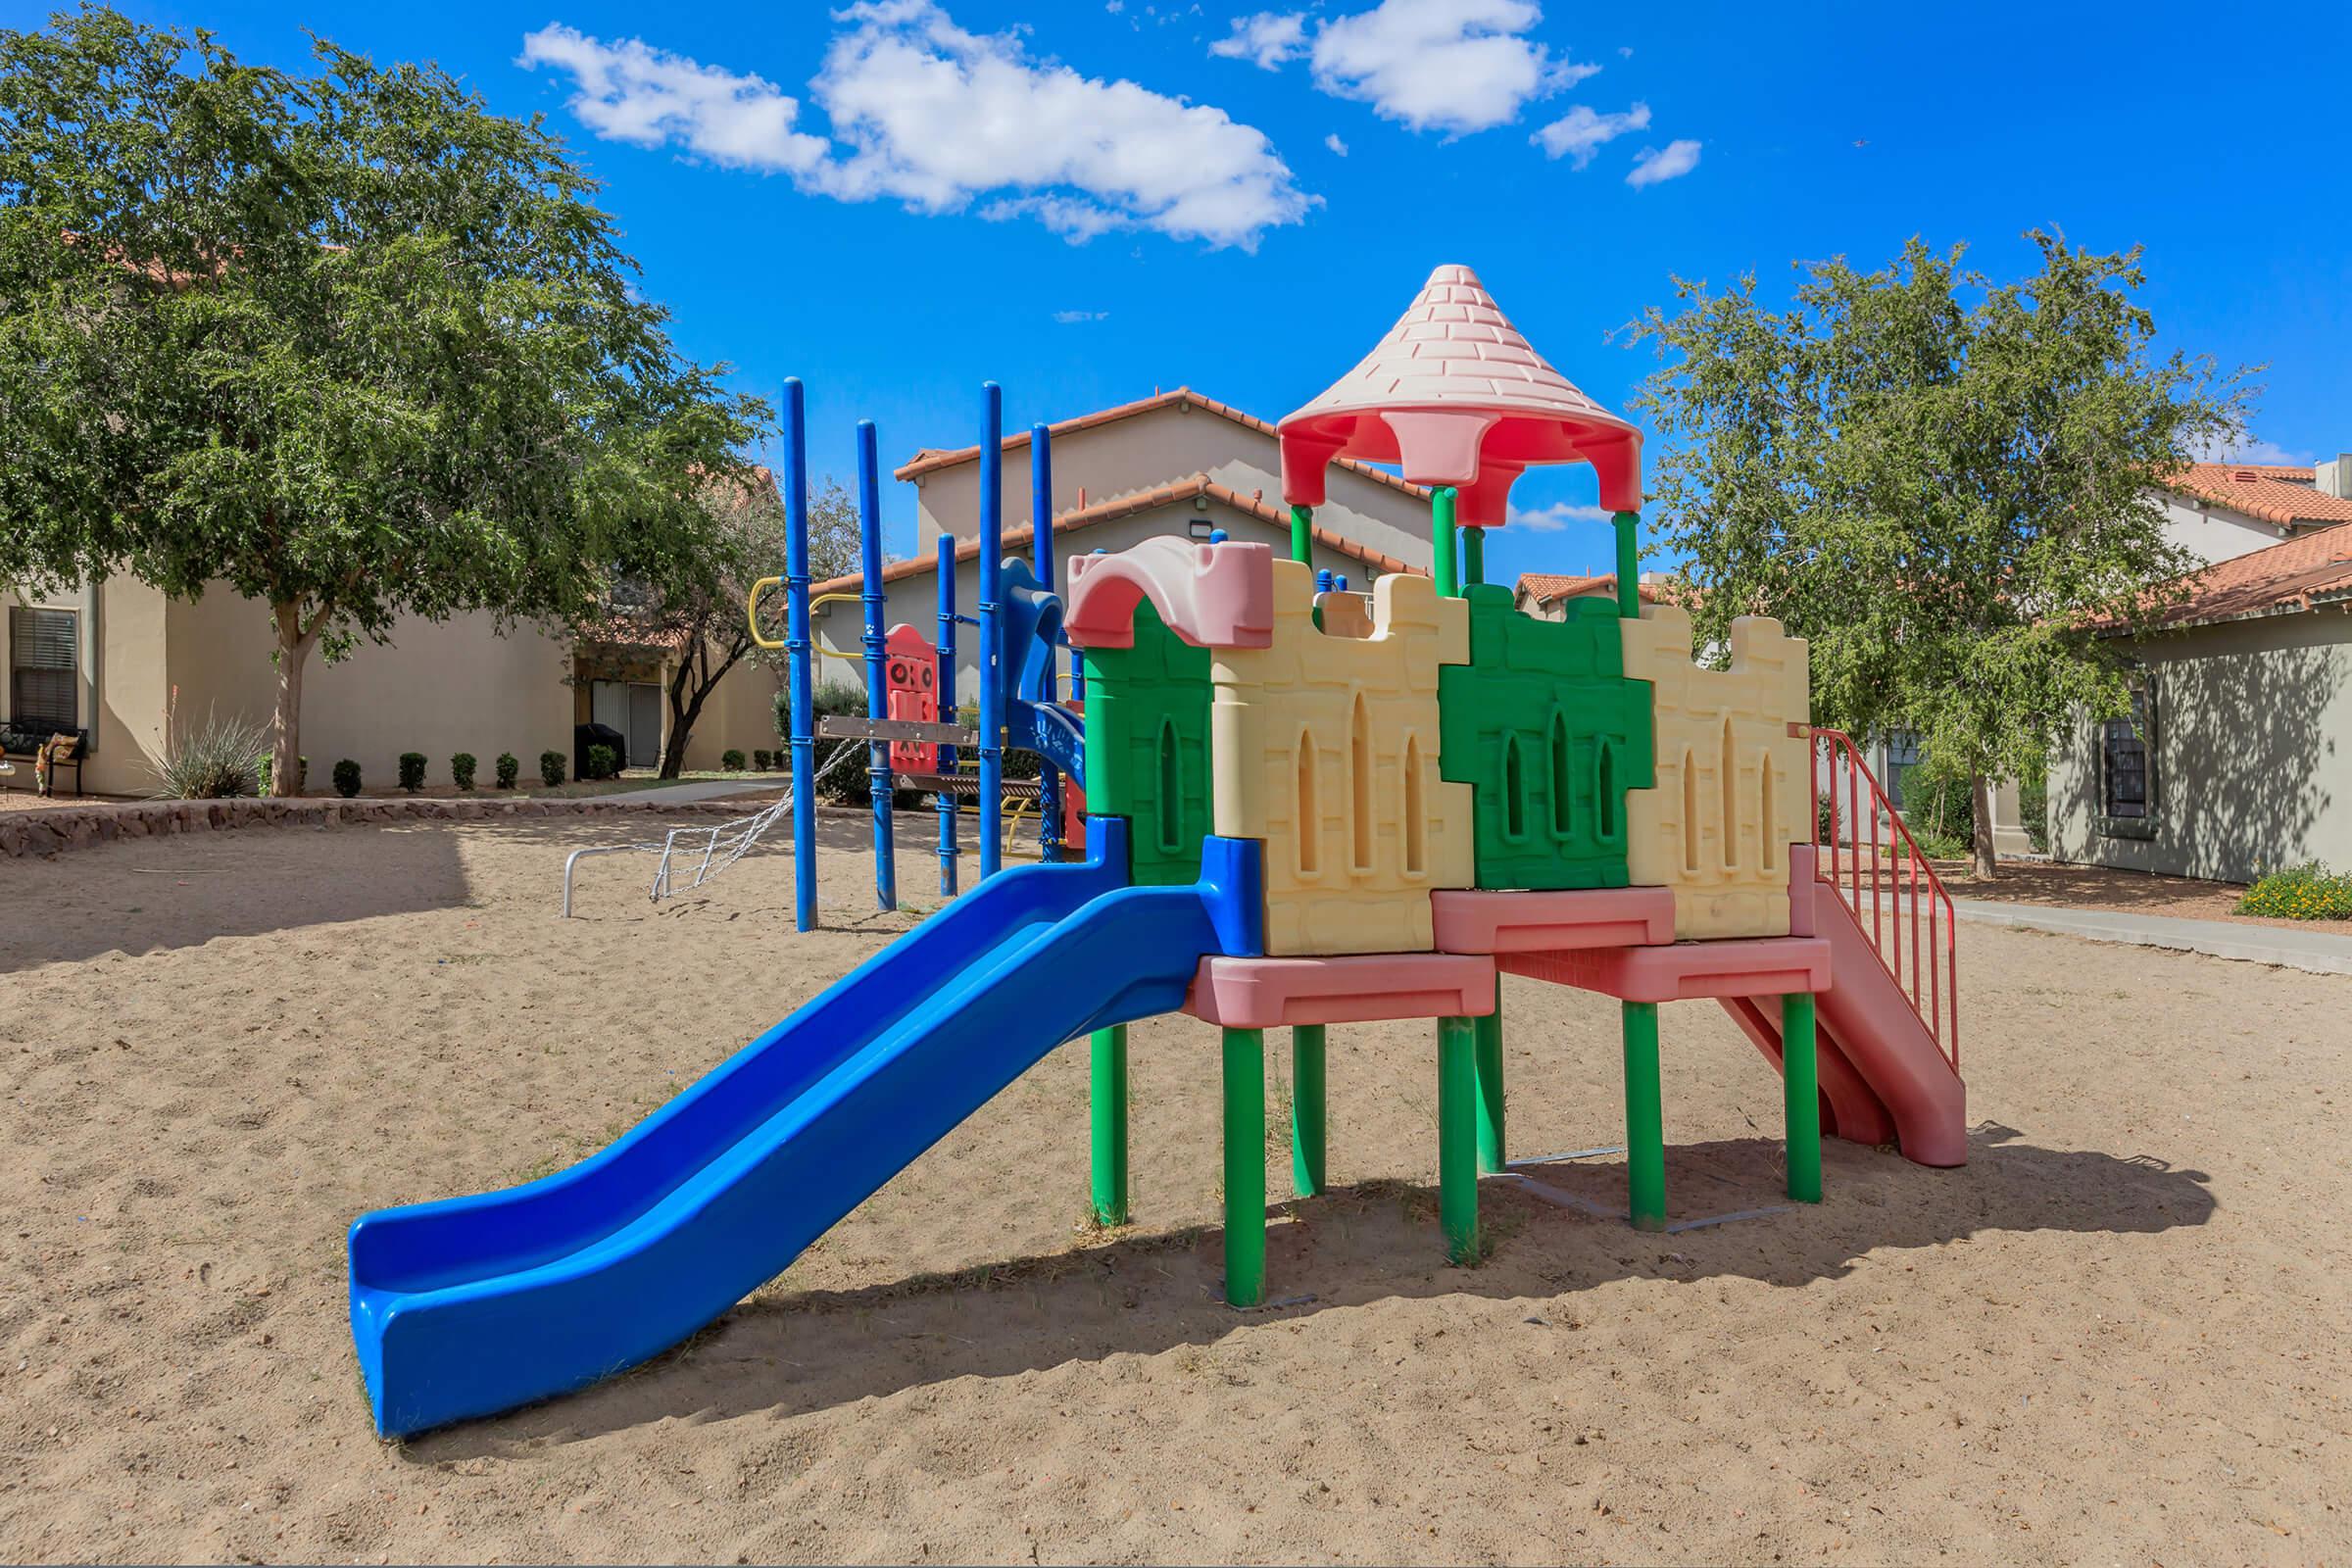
{"type": "Point", "coordinates": [930, 458]}
{"type": "Point", "coordinates": [1173, 493]}
{"type": "Point", "coordinates": [2275, 493]}
{"type": "Point", "coordinates": [1545, 587]}
{"type": "Point", "coordinates": [2311, 568]}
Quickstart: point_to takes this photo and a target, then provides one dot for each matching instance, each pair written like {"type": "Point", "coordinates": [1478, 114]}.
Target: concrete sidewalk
{"type": "Point", "coordinates": [710, 789]}
{"type": "Point", "coordinates": [2318, 952]}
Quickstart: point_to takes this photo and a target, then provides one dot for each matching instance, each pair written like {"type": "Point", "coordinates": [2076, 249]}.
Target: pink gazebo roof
{"type": "Point", "coordinates": [1457, 396]}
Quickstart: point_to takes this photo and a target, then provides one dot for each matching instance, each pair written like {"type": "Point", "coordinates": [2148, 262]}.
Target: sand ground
{"type": "Point", "coordinates": [2120, 1335]}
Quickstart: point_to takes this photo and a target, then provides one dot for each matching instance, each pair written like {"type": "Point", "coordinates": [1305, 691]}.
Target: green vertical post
{"type": "Point", "coordinates": [1306, 1109]}
{"type": "Point", "coordinates": [1457, 1138]}
{"type": "Point", "coordinates": [1801, 1086]}
{"type": "Point", "coordinates": [1474, 555]}
{"type": "Point", "coordinates": [1245, 1166]}
{"type": "Point", "coordinates": [1629, 565]}
{"type": "Point", "coordinates": [1645, 1119]}
{"type": "Point", "coordinates": [1109, 1105]}
{"type": "Point", "coordinates": [1441, 541]}
{"type": "Point", "coordinates": [1303, 535]}
{"type": "Point", "coordinates": [1489, 1034]}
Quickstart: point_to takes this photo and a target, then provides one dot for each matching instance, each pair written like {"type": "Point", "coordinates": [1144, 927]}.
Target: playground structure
{"type": "Point", "coordinates": [1306, 806]}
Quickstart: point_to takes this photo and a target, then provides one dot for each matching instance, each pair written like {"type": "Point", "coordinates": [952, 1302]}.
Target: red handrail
{"type": "Point", "coordinates": [1933, 969]}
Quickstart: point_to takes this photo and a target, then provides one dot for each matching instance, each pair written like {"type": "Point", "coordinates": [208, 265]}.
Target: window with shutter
{"type": "Point", "coordinates": [44, 681]}
{"type": "Point", "coordinates": [2124, 761]}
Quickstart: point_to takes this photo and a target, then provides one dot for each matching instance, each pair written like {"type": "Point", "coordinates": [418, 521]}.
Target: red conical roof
{"type": "Point", "coordinates": [1458, 395]}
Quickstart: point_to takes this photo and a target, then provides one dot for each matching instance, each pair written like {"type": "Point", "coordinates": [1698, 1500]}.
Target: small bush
{"type": "Point", "coordinates": [347, 778]}
{"type": "Point", "coordinates": [208, 761]}
{"type": "Point", "coordinates": [603, 762]}
{"type": "Point", "coordinates": [762, 761]}
{"type": "Point", "coordinates": [550, 768]}
{"type": "Point", "coordinates": [461, 770]}
{"type": "Point", "coordinates": [730, 761]}
{"type": "Point", "coordinates": [508, 769]}
{"type": "Point", "coordinates": [412, 772]}
{"type": "Point", "coordinates": [2309, 892]}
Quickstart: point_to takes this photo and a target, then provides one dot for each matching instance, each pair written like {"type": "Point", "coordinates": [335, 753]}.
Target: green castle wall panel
{"type": "Point", "coordinates": [1147, 748]}
{"type": "Point", "coordinates": [1548, 731]}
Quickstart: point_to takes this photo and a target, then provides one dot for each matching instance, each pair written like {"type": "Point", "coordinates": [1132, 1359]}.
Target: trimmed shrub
{"type": "Point", "coordinates": [412, 772]}
{"type": "Point", "coordinates": [762, 761]}
{"type": "Point", "coordinates": [603, 762]}
{"type": "Point", "coordinates": [347, 778]}
{"type": "Point", "coordinates": [550, 768]}
{"type": "Point", "coordinates": [508, 767]}
{"type": "Point", "coordinates": [730, 761]}
{"type": "Point", "coordinates": [461, 770]}
{"type": "Point", "coordinates": [2308, 892]}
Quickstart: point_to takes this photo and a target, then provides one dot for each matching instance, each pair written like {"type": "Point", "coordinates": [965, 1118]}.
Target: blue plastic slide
{"type": "Point", "coordinates": [476, 1305]}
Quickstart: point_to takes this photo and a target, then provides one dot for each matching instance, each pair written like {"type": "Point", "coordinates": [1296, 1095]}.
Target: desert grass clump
{"type": "Point", "coordinates": [213, 760]}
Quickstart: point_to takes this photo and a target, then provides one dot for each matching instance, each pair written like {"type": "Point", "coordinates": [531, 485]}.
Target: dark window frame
{"type": "Point", "coordinates": [35, 685]}
{"type": "Point", "coordinates": [2127, 779]}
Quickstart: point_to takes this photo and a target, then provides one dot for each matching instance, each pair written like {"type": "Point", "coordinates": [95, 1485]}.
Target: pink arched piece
{"type": "Point", "coordinates": [1456, 395]}
{"type": "Point", "coordinates": [910, 672]}
{"type": "Point", "coordinates": [1211, 595]}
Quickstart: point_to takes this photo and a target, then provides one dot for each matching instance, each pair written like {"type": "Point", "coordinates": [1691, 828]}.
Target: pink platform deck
{"type": "Point", "coordinates": [1684, 972]}
{"type": "Point", "coordinates": [1363, 988]}
{"type": "Point", "coordinates": [1479, 922]}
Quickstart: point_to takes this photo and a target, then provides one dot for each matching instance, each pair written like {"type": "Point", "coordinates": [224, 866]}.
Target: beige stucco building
{"type": "Point", "coordinates": [107, 657]}
{"type": "Point", "coordinates": [1174, 464]}
{"type": "Point", "coordinates": [2234, 761]}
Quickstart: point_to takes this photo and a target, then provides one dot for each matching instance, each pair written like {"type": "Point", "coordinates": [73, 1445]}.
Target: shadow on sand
{"type": "Point", "coordinates": [1134, 1293]}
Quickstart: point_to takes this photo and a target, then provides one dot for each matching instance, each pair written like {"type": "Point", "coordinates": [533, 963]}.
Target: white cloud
{"type": "Point", "coordinates": [1076, 318]}
{"type": "Point", "coordinates": [632, 92]}
{"type": "Point", "coordinates": [2246, 447]}
{"type": "Point", "coordinates": [1652, 165]}
{"type": "Point", "coordinates": [929, 115]}
{"type": "Point", "coordinates": [1558, 516]}
{"type": "Point", "coordinates": [1268, 40]}
{"type": "Point", "coordinates": [1580, 133]}
{"type": "Point", "coordinates": [1455, 66]}
{"type": "Point", "coordinates": [1333, 142]}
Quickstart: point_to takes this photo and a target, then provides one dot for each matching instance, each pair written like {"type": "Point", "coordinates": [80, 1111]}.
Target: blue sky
{"type": "Point", "coordinates": [1088, 201]}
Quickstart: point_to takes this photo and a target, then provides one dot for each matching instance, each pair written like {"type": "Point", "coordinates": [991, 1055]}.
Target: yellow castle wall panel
{"type": "Point", "coordinates": [1732, 787]}
{"type": "Point", "coordinates": [1325, 748]}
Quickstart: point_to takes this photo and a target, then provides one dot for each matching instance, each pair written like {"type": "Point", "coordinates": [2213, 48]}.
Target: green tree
{"type": "Point", "coordinates": [690, 605]}
{"type": "Point", "coordinates": [347, 343]}
{"type": "Point", "coordinates": [1940, 481]}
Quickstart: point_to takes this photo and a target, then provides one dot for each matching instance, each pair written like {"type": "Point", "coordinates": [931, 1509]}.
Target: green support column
{"type": "Point", "coordinates": [1800, 1085]}
{"type": "Point", "coordinates": [1489, 1034]}
{"type": "Point", "coordinates": [1303, 535]}
{"type": "Point", "coordinates": [1441, 541]}
{"type": "Point", "coordinates": [1474, 556]}
{"type": "Point", "coordinates": [1306, 1109]}
{"type": "Point", "coordinates": [1110, 1103]}
{"type": "Point", "coordinates": [1245, 1166]}
{"type": "Point", "coordinates": [1629, 565]}
{"type": "Point", "coordinates": [1457, 1138]}
{"type": "Point", "coordinates": [1645, 1119]}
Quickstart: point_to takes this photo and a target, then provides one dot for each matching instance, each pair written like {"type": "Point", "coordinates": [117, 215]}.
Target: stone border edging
{"type": "Point", "coordinates": [73, 827]}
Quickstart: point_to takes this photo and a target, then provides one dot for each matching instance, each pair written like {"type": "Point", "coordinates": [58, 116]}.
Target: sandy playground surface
{"type": "Point", "coordinates": [2120, 1335]}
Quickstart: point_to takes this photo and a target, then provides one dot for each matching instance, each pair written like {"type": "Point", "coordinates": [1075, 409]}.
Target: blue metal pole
{"type": "Point", "coordinates": [947, 711]}
{"type": "Point", "coordinates": [877, 685]}
{"type": "Point", "coordinates": [992, 626]}
{"type": "Point", "coordinates": [802, 720]}
{"type": "Point", "coordinates": [1041, 525]}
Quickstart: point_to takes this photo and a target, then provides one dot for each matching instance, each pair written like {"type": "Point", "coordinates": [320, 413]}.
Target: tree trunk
{"type": "Point", "coordinates": [285, 723]}
{"type": "Point", "coordinates": [693, 683]}
{"type": "Point", "coordinates": [1982, 860]}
